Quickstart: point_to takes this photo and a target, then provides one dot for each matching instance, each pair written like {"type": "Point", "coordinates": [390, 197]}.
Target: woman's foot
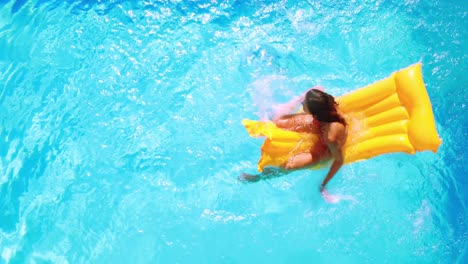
{"type": "Point", "coordinates": [268, 173]}
{"type": "Point", "coordinates": [245, 177]}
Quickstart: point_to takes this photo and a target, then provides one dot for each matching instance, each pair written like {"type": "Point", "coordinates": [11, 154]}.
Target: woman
{"type": "Point", "coordinates": [321, 115]}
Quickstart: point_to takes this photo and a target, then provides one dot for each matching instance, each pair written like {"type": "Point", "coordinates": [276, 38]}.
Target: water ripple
{"type": "Point", "coordinates": [120, 135]}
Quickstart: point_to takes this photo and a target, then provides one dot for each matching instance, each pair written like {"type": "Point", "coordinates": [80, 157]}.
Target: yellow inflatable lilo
{"type": "Point", "coordinates": [391, 115]}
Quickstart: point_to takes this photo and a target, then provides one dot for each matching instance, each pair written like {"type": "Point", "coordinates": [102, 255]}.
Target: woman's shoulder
{"type": "Point", "coordinates": [336, 132]}
{"type": "Point", "coordinates": [337, 126]}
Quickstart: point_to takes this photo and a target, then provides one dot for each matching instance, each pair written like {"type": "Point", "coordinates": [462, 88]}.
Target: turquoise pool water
{"type": "Point", "coordinates": [121, 141]}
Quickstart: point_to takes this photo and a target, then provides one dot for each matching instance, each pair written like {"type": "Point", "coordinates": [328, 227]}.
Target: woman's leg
{"type": "Point", "coordinates": [300, 161]}
{"type": "Point", "coordinates": [296, 162]}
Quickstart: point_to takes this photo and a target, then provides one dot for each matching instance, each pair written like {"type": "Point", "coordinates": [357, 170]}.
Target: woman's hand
{"type": "Point", "coordinates": [289, 107]}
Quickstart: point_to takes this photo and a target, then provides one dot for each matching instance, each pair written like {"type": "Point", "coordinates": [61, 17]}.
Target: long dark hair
{"type": "Point", "coordinates": [323, 107]}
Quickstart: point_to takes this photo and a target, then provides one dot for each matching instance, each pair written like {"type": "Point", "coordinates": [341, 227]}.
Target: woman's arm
{"type": "Point", "coordinates": [337, 155]}
{"type": "Point", "coordinates": [283, 110]}
{"type": "Point", "coordinates": [335, 132]}
{"type": "Point", "coordinates": [302, 123]}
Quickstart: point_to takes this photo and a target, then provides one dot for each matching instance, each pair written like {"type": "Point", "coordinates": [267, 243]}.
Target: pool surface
{"type": "Point", "coordinates": [121, 138]}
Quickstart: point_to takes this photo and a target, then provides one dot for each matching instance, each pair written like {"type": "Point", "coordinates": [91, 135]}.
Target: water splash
{"type": "Point", "coordinates": [336, 198]}
{"type": "Point", "coordinates": [262, 93]}
{"type": "Point", "coordinates": [422, 214]}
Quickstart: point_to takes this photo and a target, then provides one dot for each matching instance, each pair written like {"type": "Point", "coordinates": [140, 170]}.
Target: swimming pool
{"type": "Point", "coordinates": [121, 139]}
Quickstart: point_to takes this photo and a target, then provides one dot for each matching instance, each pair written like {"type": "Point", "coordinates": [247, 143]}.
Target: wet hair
{"type": "Point", "coordinates": [323, 107]}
